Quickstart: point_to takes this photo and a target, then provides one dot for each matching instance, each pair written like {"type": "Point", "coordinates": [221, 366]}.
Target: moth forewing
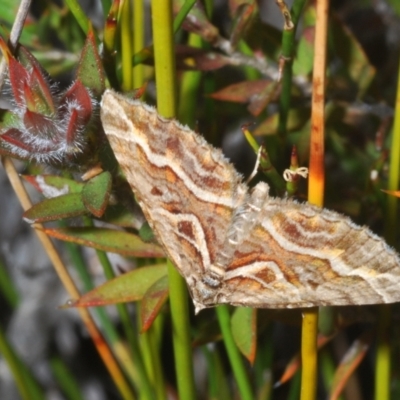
{"type": "Point", "coordinates": [237, 246]}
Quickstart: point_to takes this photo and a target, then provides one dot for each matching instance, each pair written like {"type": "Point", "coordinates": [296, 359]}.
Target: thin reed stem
{"type": "Point", "coordinates": [315, 191]}
{"type": "Point", "coordinates": [166, 101]}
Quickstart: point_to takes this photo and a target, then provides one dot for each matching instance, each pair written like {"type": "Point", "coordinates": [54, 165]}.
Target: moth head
{"type": "Point", "coordinates": [203, 294]}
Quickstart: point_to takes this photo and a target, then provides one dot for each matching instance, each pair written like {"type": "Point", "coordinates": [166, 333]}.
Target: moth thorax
{"type": "Point", "coordinates": [247, 215]}
{"type": "Point", "coordinates": [240, 227]}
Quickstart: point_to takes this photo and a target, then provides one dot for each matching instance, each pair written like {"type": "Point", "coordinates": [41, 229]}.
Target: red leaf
{"type": "Point", "coordinates": [125, 288]}
{"type": "Point", "coordinates": [152, 301]}
{"type": "Point", "coordinates": [39, 124]}
{"type": "Point", "coordinates": [294, 363]}
{"type": "Point", "coordinates": [18, 78]}
{"type": "Point", "coordinates": [210, 61]}
{"type": "Point", "coordinates": [105, 239]}
{"type": "Point", "coordinates": [72, 128]}
{"type": "Point", "coordinates": [257, 93]}
{"type": "Point", "coordinates": [31, 85]}
{"type": "Point", "coordinates": [16, 138]}
{"type": "Point", "coordinates": [77, 100]}
{"type": "Point", "coordinates": [244, 14]}
{"type": "Point", "coordinates": [351, 360]}
{"type": "Point", "coordinates": [241, 92]}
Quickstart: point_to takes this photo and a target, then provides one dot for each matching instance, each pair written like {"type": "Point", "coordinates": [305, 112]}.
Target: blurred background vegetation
{"type": "Point", "coordinates": [237, 65]}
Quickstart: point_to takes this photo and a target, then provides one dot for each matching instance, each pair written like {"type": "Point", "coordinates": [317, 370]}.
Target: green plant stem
{"type": "Point", "coordinates": [328, 368]}
{"type": "Point", "coordinates": [234, 355]}
{"type": "Point", "coordinates": [164, 57]}
{"type": "Point", "coordinates": [218, 385]}
{"type": "Point", "coordinates": [309, 354]}
{"type": "Point", "coordinates": [79, 15]}
{"type": "Point", "coordinates": [109, 40]}
{"type": "Point", "coordinates": [65, 378]}
{"type": "Point", "coordinates": [138, 41]}
{"type": "Point", "coordinates": [288, 42]}
{"type": "Point", "coordinates": [25, 382]}
{"type": "Point", "coordinates": [263, 364]}
{"type": "Point", "coordinates": [251, 74]}
{"type": "Point", "coordinates": [150, 346]}
{"type": "Point", "coordinates": [144, 382]}
{"type": "Point", "coordinates": [295, 386]}
{"type": "Point", "coordinates": [183, 12]}
{"type": "Point", "coordinates": [391, 222]}
{"type": "Point", "coordinates": [105, 322]}
{"type": "Point", "coordinates": [315, 192]}
{"type": "Point", "coordinates": [126, 46]}
{"type": "Point", "coordinates": [145, 385]}
{"type": "Point", "coordinates": [383, 350]}
{"type": "Point", "coordinates": [147, 52]}
{"type": "Point", "coordinates": [106, 4]}
{"type": "Point", "coordinates": [178, 298]}
{"type": "Point", "coordinates": [7, 287]}
{"type": "Point", "coordinates": [383, 362]}
{"type": "Point", "coordinates": [189, 87]}
{"type": "Point", "coordinates": [166, 100]}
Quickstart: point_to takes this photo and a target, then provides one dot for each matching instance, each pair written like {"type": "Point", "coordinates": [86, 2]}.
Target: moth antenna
{"type": "Point", "coordinates": [256, 165]}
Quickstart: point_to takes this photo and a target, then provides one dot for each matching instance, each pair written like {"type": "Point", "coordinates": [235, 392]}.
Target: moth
{"type": "Point", "coordinates": [238, 245]}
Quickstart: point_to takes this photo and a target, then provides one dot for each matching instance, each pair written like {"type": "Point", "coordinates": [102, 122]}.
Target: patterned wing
{"type": "Point", "coordinates": [298, 255]}
{"type": "Point", "coordinates": [186, 188]}
{"type": "Point", "coordinates": [237, 248]}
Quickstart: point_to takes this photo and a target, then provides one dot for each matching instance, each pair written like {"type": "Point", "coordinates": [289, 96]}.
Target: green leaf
{"type": "Point", "coordinates": [395, 4]}
{"type": "Point", "coordinates": [198, 22]}
{"type": "Point", "coordinates": [119, 215]}
{"type": "Point", "coordinates": [304, 60]}
{"type": "Point", "coordinates": [152, 301]}
{"type": "Point", "coordinates": [296, 120]}
{"type": "Point", "coordinates": [96, 193]}
{"type": "Point", "coordinates": [53, 185]}
{"type": "Point", "coordinates": [131, 286]}
{"type": "Point", "coordinates": [356, 65]}
{"type": "Point", "coordinates": [8, 119]}
{"type": "Point", "coordinates": [105, 239]}
{"type": "Point", "coordinates": [244, 330]}
{"type": "Point", "coordinates": [146, 233]}
{"type": "Point", "coordinates": [66, 206]}
{"type": "Point", "coordinates": [90, 69]}
{"type": "Point", "coordinates": [268, 39]}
